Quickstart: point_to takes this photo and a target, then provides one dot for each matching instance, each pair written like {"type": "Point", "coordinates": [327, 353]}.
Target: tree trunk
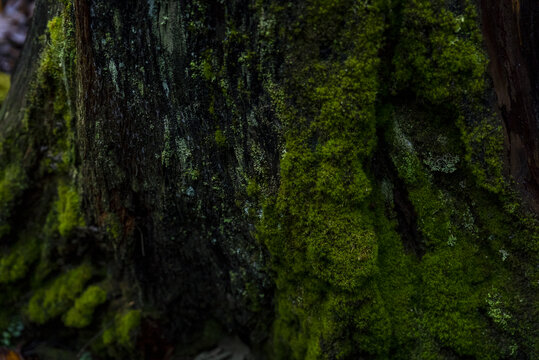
{"type": "Point", "coordinates": [512, 39]}
{"type": "Point", "coordinates": [271, 180]}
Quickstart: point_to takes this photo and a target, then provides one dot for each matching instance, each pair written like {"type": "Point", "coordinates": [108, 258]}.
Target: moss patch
{"type": "Point", "coordinates": [16, 263]}
{"type": "Point", "coordinates": [5, 83]}
{"type": "Point", "coordinates": [319, 229]}
{"type": "Point", "coordinates": [58, 296]}
{"type": "Point", "coordinates": [124, 329]}
{"type": "Point", "coordinates": [68, 209]}
{"type": "Point", "coordinates": [12, 183]}
{"type": "Point", "coordinates": [80, 315]}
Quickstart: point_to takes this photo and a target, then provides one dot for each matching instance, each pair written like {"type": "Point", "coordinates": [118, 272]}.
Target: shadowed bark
{"type": "Point", "coordinates": [512, 40]}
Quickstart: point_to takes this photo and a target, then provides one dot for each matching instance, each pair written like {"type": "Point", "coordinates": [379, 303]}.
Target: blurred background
{"type": "Point", "coordinates": [15, 18]}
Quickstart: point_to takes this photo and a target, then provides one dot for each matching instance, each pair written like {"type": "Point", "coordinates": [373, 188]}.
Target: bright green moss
{"type": "Point", "coordinates": [52, 59]}
{"type": "Point", "coordinates": [15, 265]}
{"type": "Point", "coordinates": [126, 326]}
{"type": "Point", "coordinates": [123, 332]}
{"type": "Point", "coordinates": [5, 83]}
{"type": "Point", "coordinates": [57, 297]}
{"type": "Point", "coordinates": [80, 315]}
{"type": "Point", "coordinates": [56, 66]}
{"type": "Point", "coordinates": [68, 209]}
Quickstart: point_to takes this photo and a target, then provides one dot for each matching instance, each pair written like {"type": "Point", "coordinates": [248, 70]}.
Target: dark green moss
{"type": "Point", "coordinates": [440, 54]}
{"type": "Point", "coordinates": [12, 183]}
{"type": "Point", "coordinates": [345, 284]}
{"type": "Point", "coordinates": [120, 336]}
{"type": "Point", "coordinates": [15, 265]}
{"type": "Point", "coordinates": [318, 229]}
{"type": "Point", "coordinates": [220, 138]}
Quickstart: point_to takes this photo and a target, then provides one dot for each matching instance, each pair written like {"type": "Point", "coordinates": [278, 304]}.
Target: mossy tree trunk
{"type": "Point", "coordinates": [322, 179]}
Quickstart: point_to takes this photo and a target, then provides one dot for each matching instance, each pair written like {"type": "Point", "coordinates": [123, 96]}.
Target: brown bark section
{"type": "Point", "coordinates": [511, 36]}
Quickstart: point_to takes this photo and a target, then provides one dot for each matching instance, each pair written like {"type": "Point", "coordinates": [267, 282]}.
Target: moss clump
{"type": "Point", "coordinates": [319, 229]}
{"type": "Point", "coordinates": [5, 83]}
{"type": "Point", "coordinates": [123, 331]}
{"type": "Point", "coordinates": [68, 209]}
{"type": "Point", "coordinates": [220, 138]}
{"type": "Point", "coordinates": [113, 226]}
{"type": "Point", "coordinates": [15, 265]}
{"type": "Point", "coordinates": [346, 288]}
{"type": "Point", "coordinates": [51, 96]}
{"type": "Point", "coordinates": [440, 55]}
{"type": "Point", "coordinates": [80, 315]}
{"type": "Point", "coordinates": [463, 227]}
{"type": "Point", "coordinates": [58, 296]}
{"type": "Point", "coordinates": [483, 141]}
{"type": "Point", "coordinates": [53, 69]}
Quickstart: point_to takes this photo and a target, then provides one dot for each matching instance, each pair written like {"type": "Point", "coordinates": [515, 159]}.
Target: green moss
{"type": "Point", "coordinates": [12, 183]}
{"type": "Point", "coordinates": [80, 315]}
{"type": "Point", "coordinates": [58, 296]}
{"type": "Point", "coordinates": [68, 209]}
{"type": "Point", "coordinates": [469, 234]}
{"type": "Point", "coordinates": [113, 226]}
{"type": "Point", "coordinates": [5, 83]}
{"type": "Point", "coordinates": [51, 92]}
{"type": "Point", "coordinates": [220, 138]}
{"type": "Point", "coordinates": [16, 264]}
{"type": "Point", "coordinates": [345, 285]}
{"type": "Point", "coordinates": [451, 301]}
{"type": "Point", "coordinates": [440, 55]}
{"type": "Point", "coordinates": [483, 141]}
{"type": "Point", "coordinates": [124, 329]}
{"type": "Point", "coordinates": [318, 228]}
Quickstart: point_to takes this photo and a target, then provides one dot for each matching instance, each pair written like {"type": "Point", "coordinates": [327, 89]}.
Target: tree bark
{"type": "Point", "coordinates": [272, 180]}
{"type": "Point", "coordinates": [511, 38]}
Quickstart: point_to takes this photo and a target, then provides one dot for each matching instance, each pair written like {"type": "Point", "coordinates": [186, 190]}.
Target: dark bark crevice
{"type": "Point", "coordinates": [512, 40]}
{"type": "Point", "coordinates": [403, 209]}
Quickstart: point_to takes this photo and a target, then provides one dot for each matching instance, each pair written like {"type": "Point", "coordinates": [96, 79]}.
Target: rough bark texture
{"type": "Point", "coordinates": [512, 40]}
{"type": "Point", "coordinates": [282, 180]}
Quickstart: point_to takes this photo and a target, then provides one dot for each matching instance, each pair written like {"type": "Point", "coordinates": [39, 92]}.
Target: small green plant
{"type": "Point", "coordinates": [496, 311]}
{"type": "Point", "coordinates": [13, 331]}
